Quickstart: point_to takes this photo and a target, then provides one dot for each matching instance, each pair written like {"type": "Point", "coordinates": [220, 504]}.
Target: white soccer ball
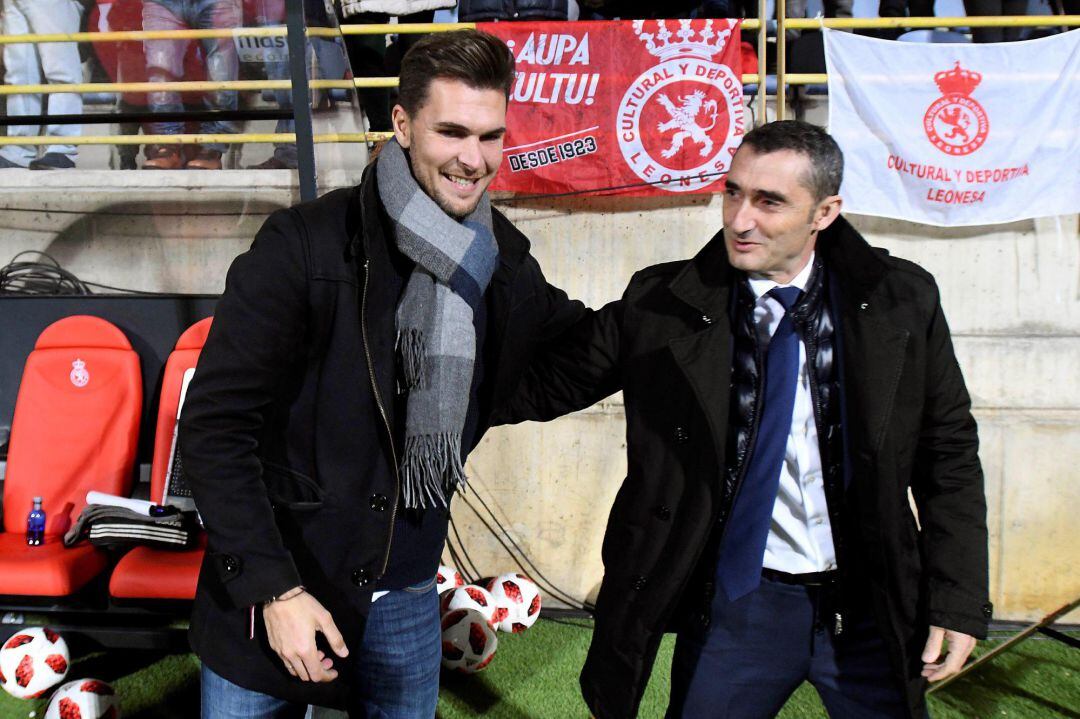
{"type": "Point", "coordinates": [472, 597]}
{"type": "Point", "coordinates": [518, 600]}
{"type": "Point", "coordinates": [468, 641]}
{"type": "Point", "coordinates": [32, 661]}
{"type": "Point", "coordinates": [447, 578]}
{"type": "Point", "coordinates": [84, 699]}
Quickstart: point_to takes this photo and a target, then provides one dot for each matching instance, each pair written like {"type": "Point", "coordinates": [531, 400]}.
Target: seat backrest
{"type": "Point", "coordinates": [183, 357]}
{"type": "Point", "coordinates": [76, 422]}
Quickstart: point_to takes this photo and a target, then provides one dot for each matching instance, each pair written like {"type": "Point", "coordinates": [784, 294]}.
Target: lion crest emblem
{"type": "Point", "coordinates": [684, 120]}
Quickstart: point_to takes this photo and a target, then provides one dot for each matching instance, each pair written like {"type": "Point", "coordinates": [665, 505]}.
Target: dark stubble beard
{"type": "Point", "coordinates": [440, 201]}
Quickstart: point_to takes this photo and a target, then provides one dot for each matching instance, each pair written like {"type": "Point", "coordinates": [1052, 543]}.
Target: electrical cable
{"type": "Point", "coordinates": [533, 571]}
{"type": "Point", "coordinates": [475, 572]}
{"type": "Point", "coordinates": [458, 562]}
{"type": "Point", "coordinates": [455, 558]}
{"type": "Point", "coordinates": [541, 581]}
{"type": "Point", "coordinates": [545, 584]}
{"type": "Point", "coordinates": [39, 278]}
{"type": "Point", "coordinates": [49, 278]}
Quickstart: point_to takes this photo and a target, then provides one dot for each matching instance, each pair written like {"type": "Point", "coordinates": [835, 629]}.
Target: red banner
{"type": "Point", "coordinates": [643, 107]}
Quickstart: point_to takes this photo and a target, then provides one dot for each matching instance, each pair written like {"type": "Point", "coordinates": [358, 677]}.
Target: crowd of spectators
{"type": "Point", "coordinates": [218, 59]}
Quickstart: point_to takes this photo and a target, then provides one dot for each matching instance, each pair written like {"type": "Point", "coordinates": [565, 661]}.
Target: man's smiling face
{"type": "Point", "coordinates": [455, 142]}
{"type": "Point", "coordinates": [771, 217]}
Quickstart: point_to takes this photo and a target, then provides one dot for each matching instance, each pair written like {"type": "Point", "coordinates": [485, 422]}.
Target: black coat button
{"type": "Point", "coordinates": [988, 610]}
{"type": "Point", "coordinates": [681, 436]}
{"type": "Point", "coordinates": [360, 577]}
{"type": "Point", "coordinates": [663, 512]}
{"type": "Point", "coordinates": [379, 502]}
{"type": "Point", "coordinates": [639, 582]}
{"type": "Point", "coordinates": [230, 564]}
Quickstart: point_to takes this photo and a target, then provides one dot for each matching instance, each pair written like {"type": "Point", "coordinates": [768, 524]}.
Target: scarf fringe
{"type": "Point", "coordinates": [431, 470]}
{"type": "Point", "coordinates": [410, 347]}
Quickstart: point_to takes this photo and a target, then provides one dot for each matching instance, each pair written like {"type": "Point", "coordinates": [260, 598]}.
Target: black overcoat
{"type": "Point", "coordinates": [907, 423]}
{"type": "Point", "coordinates": [285, 434]}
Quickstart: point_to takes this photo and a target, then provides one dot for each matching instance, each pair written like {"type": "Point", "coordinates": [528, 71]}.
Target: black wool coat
{"type": "Point", "coordinates": [667, 344]}
{"type": "Point", "coordinates": [286, 430]}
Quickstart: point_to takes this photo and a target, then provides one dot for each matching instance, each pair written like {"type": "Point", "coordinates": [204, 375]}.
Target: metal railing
{"type": "Point", "coordinates": [294, 29]}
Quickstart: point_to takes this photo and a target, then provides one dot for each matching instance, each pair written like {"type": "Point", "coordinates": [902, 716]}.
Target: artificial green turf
{"type": "Point", "coordinates": [534, 676]}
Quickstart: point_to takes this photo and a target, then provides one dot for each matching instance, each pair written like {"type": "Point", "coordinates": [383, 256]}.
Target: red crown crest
{"type": "Point", "coordinates": [957, 81]}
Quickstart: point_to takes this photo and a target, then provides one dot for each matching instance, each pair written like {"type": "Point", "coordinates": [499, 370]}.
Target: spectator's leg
{"type": "Point", "coordinates": [272, 12]}
{"type": "Point", "coordinates": [366, 56]}
{"type": "Point", "coordinates": [838, 8]}
{"type": "Point", "coordinates": [60, 64]}
{"type": "Point", "coordinates": [130, 65]}
{"type": "Point", "coordinates": [284, 153]}
{"type": "Point", "coordinates": [20, 68]}
{"type": "Point", "coordinates": [222, 63]}
{"type": "Point", "coordinates": [330, 57]}
{"type": "Point", "coordinates": [403, 42]}
{"type": "Point", "coordinates": [980, 8]}
{"type": "Point", "coordinates": [1013, 7]}
{"type": "Point", "coordinates": [164, 62]}
{"type": "Point", "coordinates": [888, 8]}
{"type": "Point", "coordinates": [127, 153]}
{"type": "Point", "coordinates": [794, 9]}
{"type": "Point", "coordinates": [718, 9]}
{"type": "Point", "coordinates": [921, 8]}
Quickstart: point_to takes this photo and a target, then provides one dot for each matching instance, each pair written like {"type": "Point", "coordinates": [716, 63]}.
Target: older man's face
{"type": "Point", "coordinates": [455, 142]}
{"type": "Point", "coordinates": [771, 218]}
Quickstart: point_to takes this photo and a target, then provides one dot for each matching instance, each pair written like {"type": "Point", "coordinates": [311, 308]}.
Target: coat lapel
{"type": "Point", "coordinates": [705, 356]}
{"type": "Point", "coordinates": [705, 360]}
{"type": "Point", "coordinates": [871, 350]}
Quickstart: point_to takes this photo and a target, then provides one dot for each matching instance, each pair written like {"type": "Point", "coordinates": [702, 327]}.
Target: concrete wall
{"type": "Point", "coordinates": [1012, 295]}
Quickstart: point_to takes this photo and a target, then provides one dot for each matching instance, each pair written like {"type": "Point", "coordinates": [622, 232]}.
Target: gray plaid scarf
{"type": "Point", "coordinates": [436, 339]}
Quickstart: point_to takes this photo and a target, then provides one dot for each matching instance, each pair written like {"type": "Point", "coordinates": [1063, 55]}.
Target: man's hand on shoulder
{"type": "Point", "coordinates": [936, 667]}
{"type": "Point", "coordinates": [292, 621]}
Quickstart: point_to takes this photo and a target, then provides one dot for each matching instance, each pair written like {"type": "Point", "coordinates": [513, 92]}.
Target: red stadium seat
{"type": "Point", "coordinates": [75, 428]}
{"type": "Point", "coordinates": [146, 572]}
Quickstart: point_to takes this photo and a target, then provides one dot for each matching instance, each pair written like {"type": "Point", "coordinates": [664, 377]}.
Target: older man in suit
{"type": "Point", "coordinates": [786, 391]}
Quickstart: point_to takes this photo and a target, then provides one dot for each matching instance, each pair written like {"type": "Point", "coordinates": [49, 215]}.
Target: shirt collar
{"type": "Point", "coordinates": [762, 286]}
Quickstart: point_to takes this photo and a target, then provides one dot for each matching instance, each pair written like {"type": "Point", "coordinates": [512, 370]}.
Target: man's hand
{"type": "Point", "coordinates": [291, 624]}
{"type": "Point", "coordinates": [960, 646]}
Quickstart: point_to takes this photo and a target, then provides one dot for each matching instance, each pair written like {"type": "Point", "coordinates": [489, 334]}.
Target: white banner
{"type": "Point", "coordinates": [956, 134]}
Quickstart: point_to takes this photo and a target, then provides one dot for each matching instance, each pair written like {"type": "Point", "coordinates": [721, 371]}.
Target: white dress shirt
{"type": "Point", "coordinates": [800, 535]}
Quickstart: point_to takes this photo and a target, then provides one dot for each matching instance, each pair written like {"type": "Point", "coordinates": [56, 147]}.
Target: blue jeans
{"type": "Point", "coordinates": [328, 55]}
{"type": "Point", "coordinates": [165, 58]}
{"type": "Point", "coordinates": [396, 673]}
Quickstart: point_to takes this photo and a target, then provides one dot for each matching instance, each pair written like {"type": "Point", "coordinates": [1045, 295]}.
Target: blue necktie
{"type": "Point", "coordinates": [743, 546]}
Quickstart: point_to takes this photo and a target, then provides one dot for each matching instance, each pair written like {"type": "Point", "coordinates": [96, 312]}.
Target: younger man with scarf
{"type": "Point", "coordinates": [355, 358]}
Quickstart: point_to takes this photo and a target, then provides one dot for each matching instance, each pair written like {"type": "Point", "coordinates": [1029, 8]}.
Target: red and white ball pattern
{"type": "Point", "coordinates": [468, 641]}
{"type": "Point", "coordinates": [472, 597]}
{"type": "Point", "coordinates": [32, 661]}
{"type": "Point", "coordinates": [84, 699]}
{"type": "Point", "coordinates": [447, 578]}
{"type": "Point", "coordinates": [518, 600]}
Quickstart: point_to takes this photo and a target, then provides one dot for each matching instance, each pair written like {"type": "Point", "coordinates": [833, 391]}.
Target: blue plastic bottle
{"type": "Point", "coordinates": [35, 524]}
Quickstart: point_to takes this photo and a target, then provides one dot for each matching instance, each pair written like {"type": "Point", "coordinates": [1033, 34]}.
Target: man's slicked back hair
{"type": "Point", "coordinates": [826, 159]}
{"type": "Point", "coordinates": [478, 59]}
